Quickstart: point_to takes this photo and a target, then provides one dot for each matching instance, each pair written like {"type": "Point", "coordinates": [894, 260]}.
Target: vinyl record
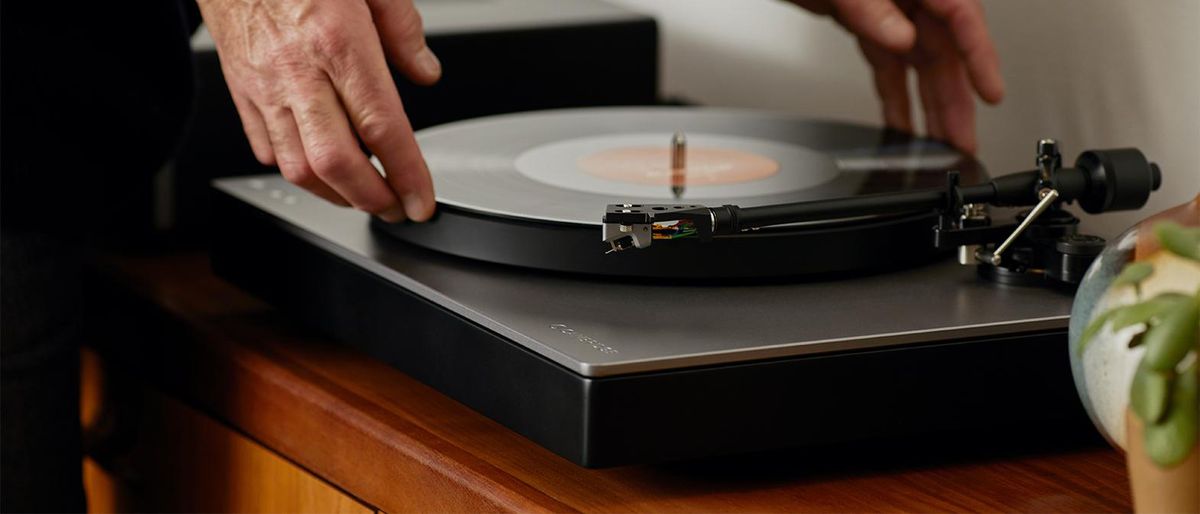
{"type": "Point", "coordinates": [530, 189]}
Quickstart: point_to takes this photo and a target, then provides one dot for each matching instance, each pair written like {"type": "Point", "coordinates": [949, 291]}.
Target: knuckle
{"type": "Point", "coordinates": [331, 41]}
{"type": "Point", "coordinates": [267, 66]}
{"type": "Point", "coordinates": [296, 172]}
{"type": "Point", "coordinates": [313, 115]}
{"type": "Point", "coordinates": [409, 24]}
{"type": "Point", "coordinates": [374, 129]}
{"type": "Point", "coordinates": [288, 65]}
{"type": "Point", "coordinates": [331, 164]}
{"type": "Point", "coordinates": [298, 77]}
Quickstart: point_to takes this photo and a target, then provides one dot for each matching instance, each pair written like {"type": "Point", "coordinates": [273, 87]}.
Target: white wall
{"type": "Point", "coordinates": [1092, 73]}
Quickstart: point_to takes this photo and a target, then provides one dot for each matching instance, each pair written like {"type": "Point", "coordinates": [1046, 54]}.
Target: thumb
{"type": "Point", "coordinates": [878, 21]}
{"type": "Point", "coordinates": [403, 39]}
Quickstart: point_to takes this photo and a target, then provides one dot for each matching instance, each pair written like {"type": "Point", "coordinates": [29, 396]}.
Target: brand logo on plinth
{"type": "Point", "coordinates": [590, 341]}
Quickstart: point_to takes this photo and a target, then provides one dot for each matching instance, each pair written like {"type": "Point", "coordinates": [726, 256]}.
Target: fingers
{"type": "Point", "coordinates": [944, 86]}
{"type": "Point", "coordinates": [290, 157]}
{"type": "Point", "coordinates": [970, 36]}
{"type": "Point", "coordinates": [334, 155]}
{"type": "Point", "coordinates": [306, 76]}
{"type": "Point", "coordinates": [391, 139]}
{"type": "Point", "coordinates": [891, 84]}
{"type": "Point", "coordinates": [946, 41]}
{"type": "Point", "coordinates": [878, 21]}
{"type": "Point", "coordinates": [403, 39]}
{"type": "Point", "coordinates": [255, 128]}
{"type": "Point", "coordinates": [929, 100]}
{"type": "Point", "coordinates": [377, 114]}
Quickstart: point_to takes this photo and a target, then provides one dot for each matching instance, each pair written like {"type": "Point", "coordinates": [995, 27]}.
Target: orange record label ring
{"type": "Point", "coordinates": [652, 166]}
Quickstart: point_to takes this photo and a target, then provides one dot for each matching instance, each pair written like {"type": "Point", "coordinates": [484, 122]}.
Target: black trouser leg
{"type": "Point", "coordinates": [40, 440]}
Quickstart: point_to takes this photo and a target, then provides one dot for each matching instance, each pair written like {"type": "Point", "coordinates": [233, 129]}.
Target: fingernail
{"type": "Point", "coordinates": [393, 215]}
{"type": "Point", "coordinates": [429, 63]}
{"type": "Point", "coordinates": [415, 207]}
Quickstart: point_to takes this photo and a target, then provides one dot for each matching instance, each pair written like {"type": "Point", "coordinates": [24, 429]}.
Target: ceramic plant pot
{"type": "Point", "coordinates": [1135, 341]}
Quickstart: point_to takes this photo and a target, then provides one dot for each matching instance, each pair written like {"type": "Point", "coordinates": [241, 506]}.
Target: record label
{"type": "Point", "coordinates": [639, 166]}
{"type": "Point", "coordinates": [652, 166]}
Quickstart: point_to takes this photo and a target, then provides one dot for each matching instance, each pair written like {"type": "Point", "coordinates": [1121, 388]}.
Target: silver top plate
{"type": "Point", "coordinates": [602, 327]}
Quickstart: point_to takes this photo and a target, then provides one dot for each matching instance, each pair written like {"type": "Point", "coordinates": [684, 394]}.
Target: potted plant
{"type": "Point", "coordinates": [1160, 330]}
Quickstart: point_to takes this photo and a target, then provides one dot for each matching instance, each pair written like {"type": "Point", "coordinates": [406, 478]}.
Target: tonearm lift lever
{"type": "Point", "coordinates": [1042, 244]}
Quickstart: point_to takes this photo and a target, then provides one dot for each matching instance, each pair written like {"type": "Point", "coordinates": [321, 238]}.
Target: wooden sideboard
{"type": "Point", "coordinates": [198, 397]}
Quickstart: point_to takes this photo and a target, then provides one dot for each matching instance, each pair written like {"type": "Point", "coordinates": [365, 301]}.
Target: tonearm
{"type": "Point", "coordinates": [1042, 244]}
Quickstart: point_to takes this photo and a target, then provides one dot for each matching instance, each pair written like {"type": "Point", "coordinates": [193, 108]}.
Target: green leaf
{"type": "Point", "coordinates": [1149, 394]}
{"type": "Point", "coordinates": [1169, 442]}
{"type": "Point", "coordinates": [1133, 274]}
{"type": "Point", "coordinates": [1094, 328]}
{"type": "Point", "coordinates": [1146, 311]}
{"type": "Point", "coordinates": [1175, 334]}
{"type": "Point", "coordinates": [1179, 240]}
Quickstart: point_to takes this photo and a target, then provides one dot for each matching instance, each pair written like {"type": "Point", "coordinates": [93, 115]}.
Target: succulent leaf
{"type": "Point", "coordinates": [1146, 311]}
{"type": "Point", "coordinates": [1173, 337]}
{"type": "Point", "coordinates": [1150, 394]}
{"type": "Point", "coordinates": [1133, 274]}
{"type": "Point", "coordinates": [1093, 328]}
{"type": "Point", "coordinates": [1169, 442]}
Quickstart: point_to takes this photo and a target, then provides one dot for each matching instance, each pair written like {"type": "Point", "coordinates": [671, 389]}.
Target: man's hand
{"type": "Point", "coordinates": [310, 79]}
{"type": "Point", "coordinates": [946, 41]}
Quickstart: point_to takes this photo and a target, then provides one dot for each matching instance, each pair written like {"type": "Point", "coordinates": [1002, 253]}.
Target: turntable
{"type": "Point", "coordinates": [628, 285]}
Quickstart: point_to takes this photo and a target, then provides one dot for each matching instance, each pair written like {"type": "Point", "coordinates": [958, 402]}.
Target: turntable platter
{"type": "Point", "coordinates": [529, 189]}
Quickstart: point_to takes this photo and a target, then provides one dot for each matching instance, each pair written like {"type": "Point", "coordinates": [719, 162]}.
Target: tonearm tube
{"type": "Point", "coordinates": [1043, 243]}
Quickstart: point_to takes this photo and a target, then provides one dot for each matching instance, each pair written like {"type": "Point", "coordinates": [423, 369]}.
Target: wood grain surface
{"type": "Point", "coordinates": [175, 459]}
{"type": "Point", "coordinates": [401, 446]}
